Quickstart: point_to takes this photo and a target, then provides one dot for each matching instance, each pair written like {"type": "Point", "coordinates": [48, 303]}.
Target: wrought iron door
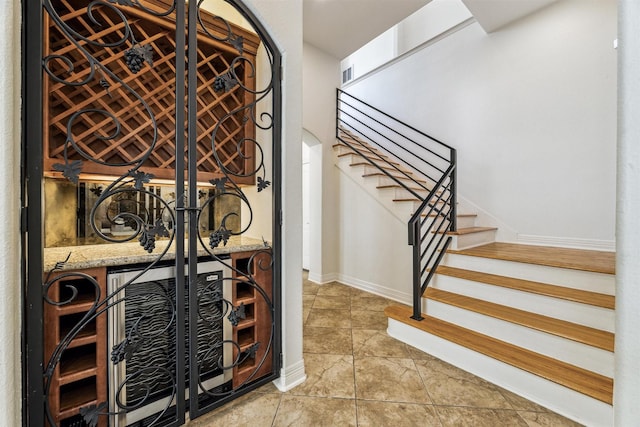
{"type": "Point", "coordinates": [152, 133]}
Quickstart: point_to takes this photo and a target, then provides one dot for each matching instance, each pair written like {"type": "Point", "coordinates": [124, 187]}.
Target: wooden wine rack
{"type": "Point", "coordinates": [80, 378]}
{"type": "Point", "coordinates": [256, 327]}
{"type": "Point", "coordinates": [155, 85]}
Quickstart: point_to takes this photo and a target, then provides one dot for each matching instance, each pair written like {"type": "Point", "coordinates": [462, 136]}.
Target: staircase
{"type": "Point", "coordinates": [395, 196]}
{"type": "Point", "coordinates": [538, 321]}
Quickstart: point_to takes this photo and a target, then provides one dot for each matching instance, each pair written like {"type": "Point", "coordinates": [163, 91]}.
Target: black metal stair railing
{"type": "Point", "coordinates": [419, 164]}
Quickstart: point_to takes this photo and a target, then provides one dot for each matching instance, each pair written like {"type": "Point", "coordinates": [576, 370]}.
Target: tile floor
{"type": "Point", "coordinates": [359, 376]}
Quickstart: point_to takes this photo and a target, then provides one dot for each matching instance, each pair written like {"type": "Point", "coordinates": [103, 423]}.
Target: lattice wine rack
{"type": "Point", "coordinates": [97, 134]}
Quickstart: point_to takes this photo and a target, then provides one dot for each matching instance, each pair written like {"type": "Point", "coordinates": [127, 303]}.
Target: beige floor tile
{"type": "Point", "coordinates": [389, 379]}
{"type": "Point", "coordinates": [546, 419]}
{"type": "Point", "coordinates": [307, 304]}
{"type": "Point", "coordinates": [348, 353]}
{"type": "Point", "coordinates": [268, 388]}
{"type": "Point", "coordinates": [307, 300]}
{"type": "Point", "coordinates": [253, 409]}
{"type": "Point", "coordinates": [367, 319]}
{"type": "Point", "coordinates": [355, 292]}
{"type": "Point", "coordinates": [329, 318]}
{"type": "Point", "coordinates": [328, 375]}
{"type": "Point", "coordinates": [327, 340]}
{"type": "Point", "coordinates": [302, 411]}
{"type": "Point", "coordinates": [310, 288]}
{"type": "Point", "coordinates": [418, 354]}
{"type": "Point", "coordinates": [519, 403]}
{"type": "Point", "coordinates": [478, 417]}
{"type": "Point", "coordinates": [448, 385]}
{"type": "Point", "coordinates": [371, 302]}
{"type": "Point", "coordinates": [368, 343]}
{"type": "Point", "coordinates": [335, 289]}
{"type": "Point", "coordinates": [380, 414]}
{"type": "Point", "coordinates": [332, 302]}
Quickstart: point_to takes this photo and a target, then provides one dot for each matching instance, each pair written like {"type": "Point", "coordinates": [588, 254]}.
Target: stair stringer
{"type": "Point", "coordinates": [569, 403]}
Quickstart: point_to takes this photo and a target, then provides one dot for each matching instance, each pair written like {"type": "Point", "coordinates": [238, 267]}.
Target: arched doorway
{"type": "Point", "coordinates": [153, 290]}
{"type": "Point", "coordinates": [311, 201]}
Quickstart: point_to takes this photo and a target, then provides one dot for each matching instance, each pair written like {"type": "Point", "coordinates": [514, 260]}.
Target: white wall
{"type": "Point", "coordinates": [422, 27]}
{"type": "Point", "coordinates": [10, 309]}
{"type": "Point", "coordinates": [321, 77]}
{"type": "Point", "coordinates": [432, 20]}
{"type": "Point", "coordinates": [377, 52]}
{"type": "Point", "coordinates": [283, 19]}
{"type": "Point", "coordinates": [626, 393]}
{"type": "Point", "coordinates": [374, 254]}
{"type": "Point", "coordinates": [531, 109]}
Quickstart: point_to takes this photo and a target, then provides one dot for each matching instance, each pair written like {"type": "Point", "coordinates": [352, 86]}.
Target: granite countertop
{"type": "Point", "coordinates": [116, 254]}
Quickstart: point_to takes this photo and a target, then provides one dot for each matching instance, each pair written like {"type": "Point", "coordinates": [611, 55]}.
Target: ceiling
{"type": "Point", "coordinates": [494, 14]}
{"type": "Point", "coordinates": [340, 27]}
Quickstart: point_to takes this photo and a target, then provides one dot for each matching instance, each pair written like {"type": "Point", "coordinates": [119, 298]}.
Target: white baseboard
{"type": "Point", "coordinates": [374, 288]}
{"type": "Point", "coordinates": [321, 279]}
{"type": "Point", "coordinates": [291, 376]}
{"type": "Point", "coordinates": [564, 401]}
{"type": "Point", "coordinates": [567, 242]}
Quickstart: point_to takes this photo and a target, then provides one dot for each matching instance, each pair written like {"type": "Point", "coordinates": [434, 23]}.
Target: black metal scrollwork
{"type": "Point", "coordinates": [131, 185]}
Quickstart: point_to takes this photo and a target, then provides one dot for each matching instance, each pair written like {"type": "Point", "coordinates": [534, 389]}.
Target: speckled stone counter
{"type": "Point", "coordinates": [116, 254]}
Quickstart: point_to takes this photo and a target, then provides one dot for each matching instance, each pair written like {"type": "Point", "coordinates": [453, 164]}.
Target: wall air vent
{"type": "Point", "coordinates": [347, 75]}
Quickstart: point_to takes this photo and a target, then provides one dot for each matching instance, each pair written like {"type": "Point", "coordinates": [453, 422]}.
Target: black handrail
{"type": "Point", "coordinates": [361, 126]}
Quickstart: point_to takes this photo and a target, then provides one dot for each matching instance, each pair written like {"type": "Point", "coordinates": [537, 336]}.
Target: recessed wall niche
{"type": "Point", "coordinates": [68, 211]}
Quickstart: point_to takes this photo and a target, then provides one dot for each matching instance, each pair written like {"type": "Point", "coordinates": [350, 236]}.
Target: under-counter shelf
{"type": "Point", "coordinates": [79, 378]}
{"type": "Point", "coordinates": [244, 291]}
{"type": "Point", "coordinates": [77, 363]}
{"type": "Point", "coordinates": [68, 322]}
{"type": "Point", "coordinates": [76, 395]}
{"type": "Point", "coordinates": [252, 334]}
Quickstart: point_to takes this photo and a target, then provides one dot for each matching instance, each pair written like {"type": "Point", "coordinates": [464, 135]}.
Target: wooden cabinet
{"type": "Point", "coordinates": [124, 112]}
{"type": "Point", "coordinates": [80, 378]}
{"type": "Point", "coordinates": [254, 332]}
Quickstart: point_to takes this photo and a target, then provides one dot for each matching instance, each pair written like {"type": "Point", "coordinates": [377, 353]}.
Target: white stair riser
{"type": "Point", "coordinates": [401, 211]}
{"type": "Point", "coordinates": [465, 241]}
{"type": "Point", "coordinates": [466, 221]}
{"type": "Point", "coordinates": [567, 402]}
{"type": "Point", "coordinates": [577, 279]}
{"type": "Point", "coordinates": [385, 180]}
{"type": "Point", "coordinates": [572, 352]}
{"type": "Point", "coordinates": [357, 158]}
{"type": "Point", "coordinates": [574, 312]}
{"type": "Point", "coordinates": [401, 193]}
{"type": "Point", "coordinates": [342, 149]}
{"type": "Point", "coordinates": [367, 169]}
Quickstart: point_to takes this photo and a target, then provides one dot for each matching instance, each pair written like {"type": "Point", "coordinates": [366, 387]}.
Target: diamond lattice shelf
{"type": "Point", "coordinates": [116, 145]}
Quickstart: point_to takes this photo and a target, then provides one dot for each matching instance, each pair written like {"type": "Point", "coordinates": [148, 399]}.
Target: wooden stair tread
{"type": "Point", "coordinates": [576, 259]}
{"type": "Point", "coordinates": [561, 292]}
{"type": "Point", "coordinates": [387, 186]}
{"type": "Point", "coordinates": [581, 380]}
{"type": "Point", "coordinates": [381, 165]}
{"type": "Point", "coordinates": [407, 199]}
{"type": "Point", "coordinates": [562, 328]}
{"type": "Point", "coordinates": [380, 174]}
{"type": "Point", "coordinates": [460, 215]}
{"type": "Point", "coordinates": [374, 158]}
{"type": "Point", "coordinates": [470, 230]}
